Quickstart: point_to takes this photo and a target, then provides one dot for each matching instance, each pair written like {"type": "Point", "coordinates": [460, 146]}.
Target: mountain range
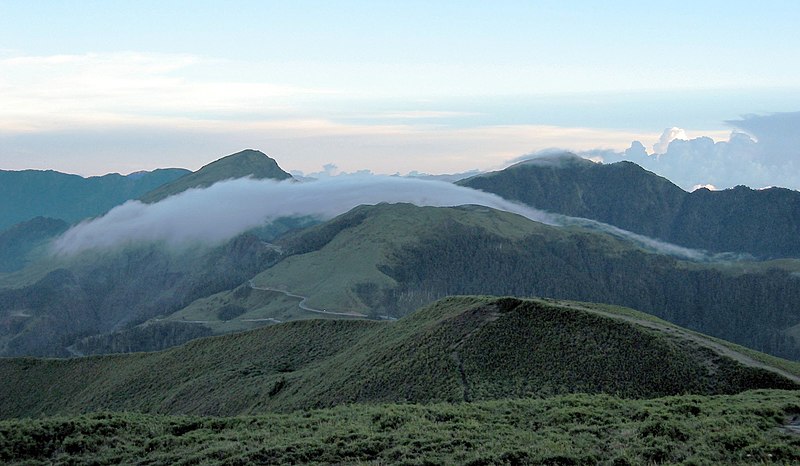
{"type": "Point", "coordinates": [763, 223]}
{"type": "Point", "coordinates": [378, 320]}
{"type": "Point", "coordinates": [378, 261]}
{"type": "Point", "coordinates": [31, 193]}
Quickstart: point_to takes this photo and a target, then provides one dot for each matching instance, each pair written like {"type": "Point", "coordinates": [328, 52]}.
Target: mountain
{"type": "Point", "coordinates": [379, 261]}
{"type": "Point", "coordinates": [393, 258]}
{"type": "Point", "coordinates": [27, 194]}
{"type": "Point", "coordinates": [98, 298]}
{"type": "Point", "coordinates": [458, 349]}
{"type": "Point", "coordinates": [764, 223]}
{"type": "Point", "coordinates": [248, 162]}
{"type": "Point", "coordinates": [97, 293]}
{"type": "Point", "coordinates": [18, 242]}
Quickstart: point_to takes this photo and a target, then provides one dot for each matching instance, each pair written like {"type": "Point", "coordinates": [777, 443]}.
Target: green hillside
{"type": "Point", "coordinates": [764, 223]}
{"type": "Point", "coordinates": [341, 264]}
{"type": "Point", "coordinates": [459, 349]}
{"type": "Point", "coordinates": [239, 165]}
{"type": "Point", "coordinates": [748, 428]}
{"type": "Point", "coordinates": [91, 294]}
{"type": "Point", "coordinates": [93, 303]}
{"type": "Point", "coordinates": [393, 258]}
{"type": "Point", "coordinates": [383, 260]}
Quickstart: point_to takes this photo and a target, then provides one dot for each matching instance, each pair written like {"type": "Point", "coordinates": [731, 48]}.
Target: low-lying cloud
{"type": "Point", "coordinates": [212, 215]}
{"type": "Point", "coordinates": [228, 208]}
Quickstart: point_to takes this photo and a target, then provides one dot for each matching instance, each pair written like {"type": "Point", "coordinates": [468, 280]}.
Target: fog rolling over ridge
{"type": "Point", "coordinates": [212, 215]}
{"type": "Point", "coordinates": [228, 208]}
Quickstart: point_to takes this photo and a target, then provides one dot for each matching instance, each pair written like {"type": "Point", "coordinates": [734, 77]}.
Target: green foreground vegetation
{"type": "Point", "coordinates": [748, 428]}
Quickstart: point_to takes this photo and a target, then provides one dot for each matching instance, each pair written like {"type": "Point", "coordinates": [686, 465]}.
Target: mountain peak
{"type": "Point", "coordinates": [555, 160]}
{"type": "Point", "coordinates": [249, 162]}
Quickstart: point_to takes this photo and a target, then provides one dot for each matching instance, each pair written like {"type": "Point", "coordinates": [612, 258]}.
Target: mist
{"type": "Point", "coordinates": [209, 216]}
{"type": "Point", "coordinates": [218, 213]}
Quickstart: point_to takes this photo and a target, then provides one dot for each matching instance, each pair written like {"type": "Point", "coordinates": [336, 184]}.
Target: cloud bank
{"type": "Point", "coordinates": [761, 151]}
{"type": "Point", "coordinates": [218, 213]}
{"type": "Point", "coordinates": [228, 208]}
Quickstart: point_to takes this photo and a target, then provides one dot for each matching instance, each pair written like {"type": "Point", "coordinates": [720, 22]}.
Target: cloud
{"type": "Point", "coordinates": [669, 135]}
{"type": "Point", "coordinates": [215, 214]}
{"type": "Point", "coordinates": [47, 92]}
{"type": "Point", "coordinates": [777, 136]}
{"type": "Point", "coordinates": [709, 187]}
{"type": "Point", "coordinates": [226, 209]}
{"type": "Point", "coordinates": [297, 144]}
{"type": "Point", "coordinates": [762, 150]}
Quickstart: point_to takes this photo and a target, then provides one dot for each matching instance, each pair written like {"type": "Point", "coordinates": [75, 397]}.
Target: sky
{"type": "Point", "coordinates": [92, 87]}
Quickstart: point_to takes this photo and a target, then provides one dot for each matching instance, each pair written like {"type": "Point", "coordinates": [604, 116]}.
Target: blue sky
{"type": "Point", "coordinates": [95, 87]}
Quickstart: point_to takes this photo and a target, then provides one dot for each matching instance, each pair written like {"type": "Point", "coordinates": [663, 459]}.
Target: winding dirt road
{"type": "Point", "coordinates": [303, 299]}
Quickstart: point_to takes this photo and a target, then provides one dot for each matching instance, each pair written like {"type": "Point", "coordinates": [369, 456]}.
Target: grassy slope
{"type": "Point", "coordinates": [328, 275]}
{"type": "Point", "coordinates": [261, 307]}
{"type": "Point", "coordinates": [572, 429]}
{"type": "Point", "coordinates": [466, 348]}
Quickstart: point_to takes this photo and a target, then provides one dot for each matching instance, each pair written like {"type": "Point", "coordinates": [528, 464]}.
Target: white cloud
{"type": "Point", "coordinates": [768, 154]}
{"type": "Point", "coordinates": [49, 92]}
{"type": "Point", "coordinates": [709, 187]}
{"type": "Point", "coordinates": [232, 207]}
{"type": "Point", "coordinates": [669, 135]}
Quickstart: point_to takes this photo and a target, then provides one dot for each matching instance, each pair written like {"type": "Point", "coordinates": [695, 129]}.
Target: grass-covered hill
{"type": "Point", "coordinates": [458, 349]}
{"type": "Point", "coordinates": [394, 258]}
{"type": "Point", "coordinates": [764, 223]}
{"type": "Point", "coordinates": [388, 259]}
{"type": "Point", "coordinates": [239, 165]}
{"type": "Point", "coordinates": [27, 194]}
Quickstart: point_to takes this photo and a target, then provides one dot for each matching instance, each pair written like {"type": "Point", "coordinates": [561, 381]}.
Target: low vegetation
{"type": "Point", "coordinates": [747, 428]}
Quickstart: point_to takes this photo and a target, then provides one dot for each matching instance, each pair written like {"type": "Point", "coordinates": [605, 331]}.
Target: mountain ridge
{"type": "Point", "coordinates": [408, 256]}
{"type": "Point", "coordinates": [457, 349]}
{"type": "Point", "coordinates": [248, 162]}
{"type": "Point", "coordinates": [764, 223]}
{"type": "Point", "coordinates": [27, 194]}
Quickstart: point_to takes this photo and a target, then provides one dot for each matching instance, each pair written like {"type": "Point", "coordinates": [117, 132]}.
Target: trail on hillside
{"type": "Point", "coordinates": [683, 333]}
{"type": "Point", "coordinates": [303, 299]}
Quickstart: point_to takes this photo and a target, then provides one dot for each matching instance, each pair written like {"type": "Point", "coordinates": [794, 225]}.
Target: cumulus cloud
{"type": "Point", "coordinates": [761, 151]}
{"type": "Point", "coordinates": [220, 212]}
{"type": "Point", "coordinates": [777, 136]}
{"type": "Point", "coordinates": [669, 135]}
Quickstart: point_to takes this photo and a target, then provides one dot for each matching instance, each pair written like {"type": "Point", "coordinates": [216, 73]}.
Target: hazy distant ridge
{"type": "Point", "coordinates": [764, 223]}
{"type": "Point", "coordinates": [32, 193]}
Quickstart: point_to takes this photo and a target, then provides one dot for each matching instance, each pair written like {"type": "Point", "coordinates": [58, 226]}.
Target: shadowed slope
{"type": "Point", "coordinates": [459, 349]}
{"type": "Point", "coordinates": [764, 223]}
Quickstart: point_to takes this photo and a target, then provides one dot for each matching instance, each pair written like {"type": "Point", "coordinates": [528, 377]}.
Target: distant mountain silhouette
{"type": "Point", "coordinates": [764, 223]}
{"type": "Point", "coordinates": [34, 193]}
{"type": "Point", "coordinates": [239, 165]}
{"type": "Point", "coordinates": [19, 241]}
